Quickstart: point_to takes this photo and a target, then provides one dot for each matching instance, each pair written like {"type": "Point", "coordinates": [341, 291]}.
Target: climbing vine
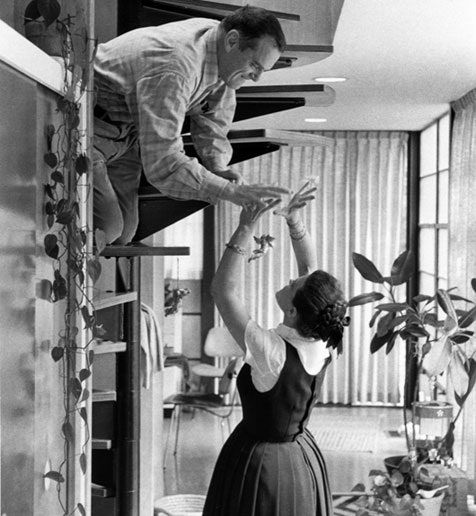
{"type": "Point", "coordinates": [66, 241]}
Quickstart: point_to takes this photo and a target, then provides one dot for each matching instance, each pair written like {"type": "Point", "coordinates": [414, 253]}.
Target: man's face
{"type": "Point", "coordinates": [238, 66]}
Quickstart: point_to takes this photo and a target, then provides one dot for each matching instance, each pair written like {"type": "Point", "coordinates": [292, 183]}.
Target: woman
{"type": "Point", "coordinates": [271, 465]}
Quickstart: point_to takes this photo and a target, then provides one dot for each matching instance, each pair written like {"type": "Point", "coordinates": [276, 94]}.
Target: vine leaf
{"type": "Point", "coordinates": [83, 463]}
{"type": "Point", "coordinates": [68, 431]}
{"type": "Point", "coordinates": [50, 159]}
{"type": "Point", "coordinates": [75, 388]}
{"type": "Point", "coordinates": [83, 374]}
{"type": "Point", "coordinates": [57, 353]}
{"type": "Point", "coordinates": [82, 164]}
{"type": "Point", "coordinates": [473, 283]}
{"type": "Point", "coordinates": [81, 509]}
{"type": "Point", "coordinates": [84, 414]}
{"type": "Point", "coordinates": [85, 395]}
{"type": "Point", "coordinates": [88, 319]}
{"type": "Point", "coordinates": [59, 286]}
{"type": "Point", "coordinates": [94, 269]}
{"type": "Point", "coordinates": [49, 192]}
{"type": "Point", "coordinates": [100, 238]}
{"type": "Point", "coordinates": [57, 177]}
{"type": "Point", "coordinates": [51, 246]}
{"type": "Point", "coordinates": [50, 220]}
{"type": "Point", "coordinates": [54, 475]}
{"type": "Point", "coordinates": [44, 289]}
{"type": "Point", "coordinates": [91, 357]}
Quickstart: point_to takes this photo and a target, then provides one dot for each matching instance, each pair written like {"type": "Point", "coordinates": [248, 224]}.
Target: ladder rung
{"type": "Point", "coordinates": [108, 299]}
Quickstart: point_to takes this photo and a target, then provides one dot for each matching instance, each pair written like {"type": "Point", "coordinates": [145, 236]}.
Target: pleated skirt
{"type": "Point", "coordinates": [269, 479]}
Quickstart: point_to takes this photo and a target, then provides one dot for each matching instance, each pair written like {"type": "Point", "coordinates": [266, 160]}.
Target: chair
{"type": "Point", "coordinates": [220, 405]}
{"type": "Point", "coordinates": [220, 345]}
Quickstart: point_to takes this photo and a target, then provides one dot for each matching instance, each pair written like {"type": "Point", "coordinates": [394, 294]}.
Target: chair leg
{"type": "Point", "coordinates": [169, 431]}
{"type": "Point", "coordinates": [177, 428]}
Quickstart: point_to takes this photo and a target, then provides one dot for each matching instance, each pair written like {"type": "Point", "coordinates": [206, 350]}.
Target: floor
{"type": "Point", "coordinates": [368, 435]}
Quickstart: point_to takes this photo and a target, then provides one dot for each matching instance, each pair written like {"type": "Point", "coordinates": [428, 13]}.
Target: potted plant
{"type": "Point", "coordinates": [438, 339]}
{"type": "Point", "coordinates": [435, 329]}
{"type": "Point", "coordinates": [409, 491]}
{"type": "Point", "coordinates": [173, 298]}
{"type": "Point", "coordinates": [44, 28]}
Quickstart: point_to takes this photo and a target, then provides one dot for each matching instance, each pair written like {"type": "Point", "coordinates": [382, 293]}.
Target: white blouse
{"type": "Point", "coordinates": [266, 353]}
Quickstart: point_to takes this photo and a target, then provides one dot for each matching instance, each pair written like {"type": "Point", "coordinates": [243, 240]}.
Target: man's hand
{"type": "Point", "coordinates": [230, 174]}
{"type": "Point", "coordinates": [253, 194]}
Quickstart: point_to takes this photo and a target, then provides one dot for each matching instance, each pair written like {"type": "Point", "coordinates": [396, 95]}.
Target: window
{"type": "Point", "coordinates": [433, 206]}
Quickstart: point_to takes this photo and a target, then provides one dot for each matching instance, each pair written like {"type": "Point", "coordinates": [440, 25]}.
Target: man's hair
{"type": "Point", "coordinates": [253, 23]}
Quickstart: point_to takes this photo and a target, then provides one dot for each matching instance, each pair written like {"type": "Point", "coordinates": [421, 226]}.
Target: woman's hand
{"type": "Point", "coordinates": [298, 201]}
{"type": "Point", "coordinates": [250, 213]}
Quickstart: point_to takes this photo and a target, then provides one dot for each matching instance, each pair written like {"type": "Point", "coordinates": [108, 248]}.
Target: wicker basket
{"type": "Point", "coordinates": [180, 505]}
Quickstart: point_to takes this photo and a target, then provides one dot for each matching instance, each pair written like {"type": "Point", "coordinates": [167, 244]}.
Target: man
{"type": "Point", "coordinates": [146, 82]}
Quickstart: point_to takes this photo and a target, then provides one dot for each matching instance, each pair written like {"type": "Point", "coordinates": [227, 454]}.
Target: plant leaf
{"type": "Point", "coordinates": [363, 299]}
{"type": "Point", "coordinates": [75, 387]}
{"type": "Point", "coordinates": [377, 342]}
{"type": "Point", "coordinates": [467, 319]}
{"type": "Point", "coordinates": [68, 431]}
{"type": "Point", "coordinates": [373, 318]}
{"type": "Point", "coordinates": [49, 9]}
{"type": "Point", "coordinates": [422, 297]}
{"type": "Point", "coordinates": [473, 283]}
{"type": "Point", "coordinates": [50, 159]}
{"type": "Point", "coordinates": [459, 338]}
{"type": "Point", "coordinates": [438, 358]}
{"type": "Point", "coordinates": [84, 414]}
{"type": "Point", "coordinates": [84, 374]}
{"type": "Point", "coordinates": [416, 331]}
{"type": "Point", "coordinates": [94, 269]}
{"type": "Point", "coordinates": [384, 323]}
{"type": "Point", "coordinates": [54, 475]}
{"type": "Point", "coordinates": [458, 374]}
{"type": "Point", "coordinates": [81, 509]}
{"type": "Point", "coordinates": [83, 463]}
{"type": "Point", "coordinates": [57, 353]}
{"type": "Point", "coordinates": [392, 307]}
{"type": "Point", "coordinates": [391, 343]}
{"type": "Point", "coordinates": [366, 268]}
{"type": "Point", "coordinates": [57, 177]}
{"type": "Point", "coordinates": [82, 164]}
{"type": "Point", "coordinates": [446, 304]}
{"type": "Point", "coordinates": [402, 268]}
{"type": "Point", "coordinates": [85, 395]}
{"type": "Point", "coordinates": [51, 246]}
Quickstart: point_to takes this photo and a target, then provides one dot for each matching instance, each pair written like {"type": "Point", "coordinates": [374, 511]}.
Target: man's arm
{"type": "Point", "coordinates": [161, 106]}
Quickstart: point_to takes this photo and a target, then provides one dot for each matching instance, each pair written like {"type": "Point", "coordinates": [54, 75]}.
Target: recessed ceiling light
{"type": "Point", "coordinates": [315, 120]}
{"type": "Point", "coordinates": [330, 79]}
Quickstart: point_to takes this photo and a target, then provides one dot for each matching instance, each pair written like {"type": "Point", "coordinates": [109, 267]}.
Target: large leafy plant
{"type": "Point", "coordinates": [434, 327]}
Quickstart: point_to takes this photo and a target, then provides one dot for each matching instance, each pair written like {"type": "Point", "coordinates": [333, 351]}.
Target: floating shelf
{"type": "Point", "coordinates": [101, 348]}
{"type": "Point", "coordinates": [108, 299]}
{"type": "Point", "coordinates": [99, 396]}
{"type": "Point", "coordinates": [101, 491]}
{"type": "Point", "coordinates": [128, 251]}
{"type": "Point", "coordinates": [101, 444]}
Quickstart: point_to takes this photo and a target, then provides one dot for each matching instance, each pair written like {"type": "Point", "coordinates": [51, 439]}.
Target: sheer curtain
{"type": "Point", "coordinates": [360, 206]}
{"type": "Point", "coordinates": [462, 244]}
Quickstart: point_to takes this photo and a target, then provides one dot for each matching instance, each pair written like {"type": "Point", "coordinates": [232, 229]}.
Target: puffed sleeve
{"type": "Point", "coordinates": [265, 353]}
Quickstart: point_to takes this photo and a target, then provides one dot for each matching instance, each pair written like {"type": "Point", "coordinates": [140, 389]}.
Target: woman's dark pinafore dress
{"type": "Point", "coordinates": [271, 465]}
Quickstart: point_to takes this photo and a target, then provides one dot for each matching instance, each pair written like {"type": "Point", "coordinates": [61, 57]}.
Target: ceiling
{"type": "Point", "coordinates": [404, 61]}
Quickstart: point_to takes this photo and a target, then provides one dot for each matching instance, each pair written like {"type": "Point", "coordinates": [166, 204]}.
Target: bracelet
{"type": "Point", "coordinates": [298, 235]}
{"type": "Point", "coordinates": [236, 248]}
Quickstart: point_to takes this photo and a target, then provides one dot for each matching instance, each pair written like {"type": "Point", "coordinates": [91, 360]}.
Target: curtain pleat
{"type": "Point", "coordinates": [462, 246]}
{"type": "Point", "coordinates": [360, 206]}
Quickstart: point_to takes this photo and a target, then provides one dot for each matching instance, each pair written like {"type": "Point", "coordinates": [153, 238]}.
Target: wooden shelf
{"type": "Point", "coordinates": [101, 444]}
{"type": "Point", "coordinates": [101, 491]}
{"type": "Point", "coordinates": [99, 396]}
{"type": "Point", "coordinates": [108, 299]}
{"type": "Point", "coordinates": [108, 346]}
{"type": "Point", "coordinates": [127, 251]}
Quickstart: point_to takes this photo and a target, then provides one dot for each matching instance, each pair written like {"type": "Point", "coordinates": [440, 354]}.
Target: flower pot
{"type": "Point", "coordinates": [432, 506]}
{"type": "Point", "coordinates": [50, 39]}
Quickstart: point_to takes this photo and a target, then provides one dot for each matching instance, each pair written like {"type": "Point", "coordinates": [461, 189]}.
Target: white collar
{"type": "Point", "coordinates": [312, 353]}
